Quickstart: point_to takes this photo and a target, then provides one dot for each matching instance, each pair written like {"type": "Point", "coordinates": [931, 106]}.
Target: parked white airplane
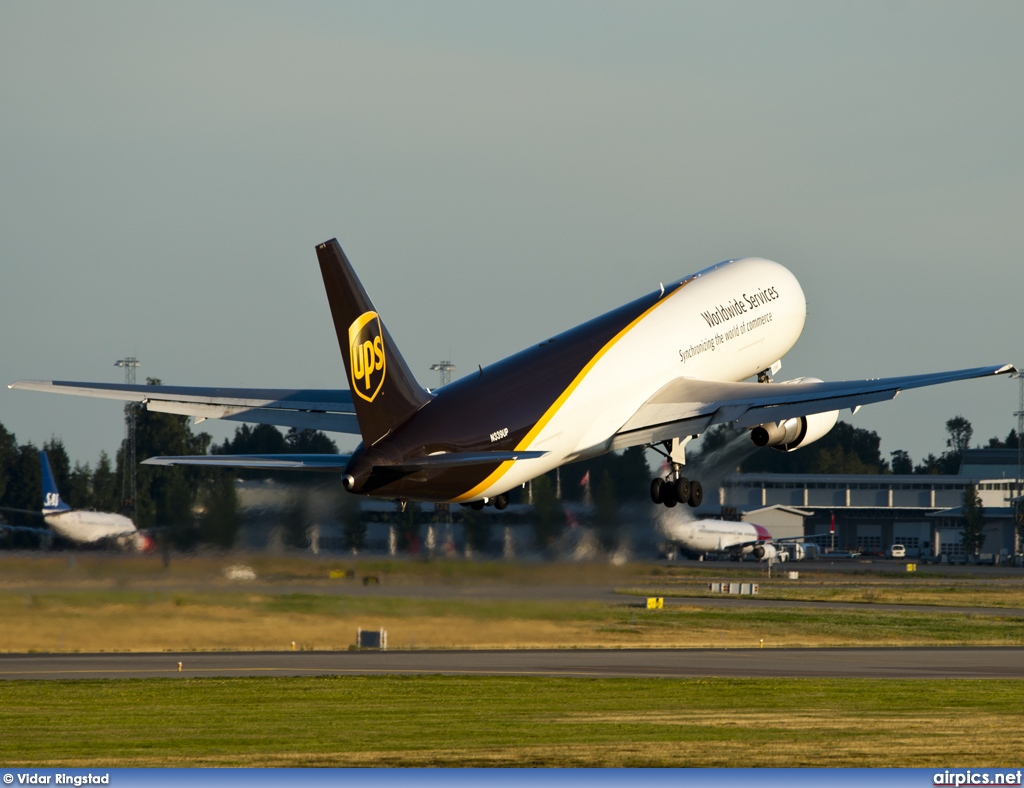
{"type": "Point", "coordinates": [736, 539]}
{"type": "Point", "coordinates": [655, 372]}
{"type": "Point", "coordinates": [86, 527]}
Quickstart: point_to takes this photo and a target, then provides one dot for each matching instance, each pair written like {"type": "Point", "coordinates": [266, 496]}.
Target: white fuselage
{"type": "Point", "coordinates": [711, 536]}
{"type": "Point", "coordinates": [87, 527]}
{"type": "Point", "coordinates": [727, 323]}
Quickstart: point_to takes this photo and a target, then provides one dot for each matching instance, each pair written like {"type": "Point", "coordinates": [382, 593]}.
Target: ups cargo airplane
{"type": "Point", "coordinates": [656, 372]}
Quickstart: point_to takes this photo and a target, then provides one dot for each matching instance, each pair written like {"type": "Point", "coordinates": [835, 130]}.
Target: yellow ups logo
{"type": "Point", "coordinates": [366, 355]}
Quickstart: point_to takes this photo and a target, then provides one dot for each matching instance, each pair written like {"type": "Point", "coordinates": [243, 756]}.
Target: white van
{"type": "Point", "coordinates": [897, 551]}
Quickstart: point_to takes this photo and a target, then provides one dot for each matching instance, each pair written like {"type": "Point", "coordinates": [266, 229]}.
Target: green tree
{"type": "Point", "coordinates": [931, 465]}
{"type": "Point", "coordinates": [309, 442]}
{"type": "Point", "coordinates": [297, 521]}
{"type": "Point", "coordinates": [79, 487]}
{"type": "Point", "coordinates": [106, 488]}
{"type": "Point", "coordinates": [548, 515]}
{"type": "Point", "coordinates": [959, 433]}
{"type": "Point", "coordinates": [718, 437]}
{"type": "Point", "coordinates": [266, 439]}
{"type": "Point", "coordinates": [1018, 518]}
{"type": "Point", "coordinates": [259, 439]}
{"type": "Point", "coordinates": [221, 523]}
{"type": "Point", "coordinates": [408, 525]}
{"type": "Point", "coordinates": [24, 479]}
{"type": "Point", "coordinates": [628, 471]}
{"type": "Point", "coordinates": [632, 475]}
{"type": "Point", "coordinates": [901, 462]}
{"type": "Point", "coordinates": [606, 512]}
{"type": "Point", "coordinates": [476, 528]}
{"type": "Point", "coordinates": [8, 458]}
{"type": "Point", "coordinates": [1009, 443]}
{"type": "Point", "coordinates": [166, 495]}
{"type": "Point", "coordinates": [844, 449]}
{"type": "Point", "coordinates": [353, 527]}
{"type": "Point", "coordinates": [973, 538]}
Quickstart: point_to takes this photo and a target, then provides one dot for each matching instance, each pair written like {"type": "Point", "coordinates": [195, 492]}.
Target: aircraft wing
{"type": "Point", "coordinates": [33, 512]}
{"type": "Point", "coordinates": [689, 407]}
{"type": "Point", "coordinates": [25, 529]}
{"type": "Point", "coordinates": [29, 529]}
{"type": "Point", "coordinates": [310, 409]}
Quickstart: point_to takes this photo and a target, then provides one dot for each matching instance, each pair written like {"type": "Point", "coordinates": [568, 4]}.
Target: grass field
{"type": "Point", "coordinates": [132, 621]}
{"type": "Point", "coordinates": [98, 602]}
{"type": "Point", "coordinates": [95, 602]}
{"type": "Point", "coordinates": [452, 721]}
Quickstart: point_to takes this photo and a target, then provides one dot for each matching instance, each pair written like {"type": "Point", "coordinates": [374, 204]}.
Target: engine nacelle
{"type": "Point", "coordinates": [769, 552]}
{"type": "Point", "coordinates": [796, 432]}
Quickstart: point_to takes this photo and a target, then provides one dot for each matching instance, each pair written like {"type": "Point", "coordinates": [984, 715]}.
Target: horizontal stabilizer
{"type": "Point", "coordinates": [304, 409]}
{"type": "Point", "coordinates": [328, 463]}
{"type": "Point", "coordinates": [335, 463]}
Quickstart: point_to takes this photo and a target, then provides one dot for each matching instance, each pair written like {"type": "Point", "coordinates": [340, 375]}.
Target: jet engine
{"type": "Point", "coordinates": [769, 552]}
{"type": "Point", "coordinates": [796, 432]}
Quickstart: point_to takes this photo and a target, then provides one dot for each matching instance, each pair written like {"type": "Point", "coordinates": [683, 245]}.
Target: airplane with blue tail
{"type": "Point", "coordinates": [86, 527]}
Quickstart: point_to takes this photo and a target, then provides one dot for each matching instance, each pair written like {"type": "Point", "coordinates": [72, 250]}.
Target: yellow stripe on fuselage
{"type": "Point", "coordinates": [542, 422]}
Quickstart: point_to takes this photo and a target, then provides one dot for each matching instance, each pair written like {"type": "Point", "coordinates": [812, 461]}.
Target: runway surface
{"type": "Point", "coordinates": [932, 663]}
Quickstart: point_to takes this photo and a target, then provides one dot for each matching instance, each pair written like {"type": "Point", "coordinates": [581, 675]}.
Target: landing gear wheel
{"type": "Point", "coordinates": [477, 505]}
{"type": "Point", "coordinates": [501, 501]}
{"type": "Point", "coordinates": [668, 495]}
{"type": "Point", "coordinates": [696, 494]}
{"type": "Point", "coordinates": [682, 489]}
{"type": "Point", "coordinates": [657, 492]}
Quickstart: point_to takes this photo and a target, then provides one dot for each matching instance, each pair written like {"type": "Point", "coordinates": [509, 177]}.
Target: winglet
{"type": "Point", "coordinates": [384, 390]}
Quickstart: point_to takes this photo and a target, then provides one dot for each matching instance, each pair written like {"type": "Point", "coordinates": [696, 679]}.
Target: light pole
{"type": "Point", "coordinates": [129, 363]}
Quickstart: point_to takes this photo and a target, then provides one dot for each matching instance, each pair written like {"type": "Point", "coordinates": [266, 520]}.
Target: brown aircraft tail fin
{"type": "Point", "coordinates": [384, 390]}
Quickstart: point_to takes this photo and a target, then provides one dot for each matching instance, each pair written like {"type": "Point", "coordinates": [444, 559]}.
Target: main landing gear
{"type": "Point", "coordinates": [676, 488]}
{"type": "Point", "coordinates": [499, 502]}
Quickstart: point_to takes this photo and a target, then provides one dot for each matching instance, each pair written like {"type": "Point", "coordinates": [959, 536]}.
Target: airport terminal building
{"type": "Point", "coordinates": [868, 513]}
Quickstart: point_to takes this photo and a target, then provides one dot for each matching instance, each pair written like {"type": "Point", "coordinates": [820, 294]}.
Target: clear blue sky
{"type": "Point", "coordinates": [498, 172]}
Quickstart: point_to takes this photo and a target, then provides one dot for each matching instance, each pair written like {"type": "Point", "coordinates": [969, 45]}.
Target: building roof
{"type": "Point", "coordinates": [989, 512]}
{"type": "Point", "coordinates": [915, 480]}
{"type": "Point", "coordinates": [989, 464]}
{"type": "Point", "coordinates": [781, 508]}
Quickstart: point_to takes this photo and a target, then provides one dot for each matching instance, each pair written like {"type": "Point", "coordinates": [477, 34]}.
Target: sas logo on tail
{"type": "Point", "coordinates": [366, 355]}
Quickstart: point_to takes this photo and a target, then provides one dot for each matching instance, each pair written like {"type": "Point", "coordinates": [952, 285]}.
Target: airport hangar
{"type": "Point", "coordinates": [920, 511]}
